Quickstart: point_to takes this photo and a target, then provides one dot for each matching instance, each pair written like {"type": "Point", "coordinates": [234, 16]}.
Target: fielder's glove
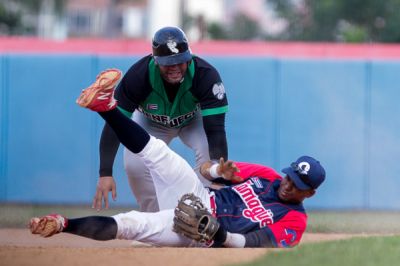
{"type": "Point", "coordinates": [193, 220]}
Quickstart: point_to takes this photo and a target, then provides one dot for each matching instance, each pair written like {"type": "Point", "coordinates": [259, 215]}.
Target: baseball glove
{"type": "Point", "coordinates": [193, 220]}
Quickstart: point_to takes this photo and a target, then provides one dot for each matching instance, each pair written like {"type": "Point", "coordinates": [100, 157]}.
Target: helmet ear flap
{"type": "Point", "coordinates": [170, 46]}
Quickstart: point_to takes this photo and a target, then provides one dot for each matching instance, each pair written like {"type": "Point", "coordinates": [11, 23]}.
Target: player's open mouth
{"type": "Point", "coordinates": [174, 75]}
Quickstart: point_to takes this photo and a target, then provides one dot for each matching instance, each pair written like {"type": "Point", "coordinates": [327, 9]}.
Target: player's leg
{"type": "Point", "coordinates": [130, 134]}
{"type": "Point", "coordinates": [194, 136]}
{"type": "Point", "coordinates": [139, 177]}
{"type": "Point", "coordinates": [95, 227]}
{"type": "Point", "coordinates": [151, 228]}
{"type": "Point", "coordinates": [172, 175]}
{"type": "Point", "coordinates": [99, 97]}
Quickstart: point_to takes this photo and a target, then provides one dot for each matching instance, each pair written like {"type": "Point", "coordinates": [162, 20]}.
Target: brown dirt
{"type": "Point", "coordinates": [20, 247]}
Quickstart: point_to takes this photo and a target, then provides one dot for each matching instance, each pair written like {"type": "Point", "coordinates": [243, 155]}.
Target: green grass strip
{"type": "Point", "coordinates": [358, 251]}
{"type": "Point", "coordinates": [354, 222]}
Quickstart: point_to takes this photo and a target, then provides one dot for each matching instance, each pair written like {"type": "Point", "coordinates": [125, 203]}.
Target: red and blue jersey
{"type": "Point", "coordinates": [254, 205]}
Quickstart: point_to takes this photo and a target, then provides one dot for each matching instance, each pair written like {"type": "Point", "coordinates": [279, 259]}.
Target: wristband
{"type": "Point", "coordinates": [213, 171]}
{"type": "Point", "coordinates": [234, 240]}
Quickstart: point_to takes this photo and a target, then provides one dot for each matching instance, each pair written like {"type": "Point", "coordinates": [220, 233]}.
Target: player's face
{"type": "Point", "coordinates": [288, 192]}
{"type": "Point", "coordinates": [173, 74]}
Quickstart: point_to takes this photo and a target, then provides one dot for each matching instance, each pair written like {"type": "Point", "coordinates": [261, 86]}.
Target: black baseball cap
{"type": "Point", "coordinates": [306, 173]}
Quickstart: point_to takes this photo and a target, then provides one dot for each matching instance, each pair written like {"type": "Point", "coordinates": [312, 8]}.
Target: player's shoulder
{"type": "Point", "coordinates": [137, 74]}
{"type": "Point", "coordinates": [141, 65]}
{"type": "Point", "coordinates": [248, 170]}
{"type": "Point", "coordinates": [205, 77]}
{"type": "Point", "coordinates": [203, 65]}
{"type": "Point", "coordinates": [135, 84]}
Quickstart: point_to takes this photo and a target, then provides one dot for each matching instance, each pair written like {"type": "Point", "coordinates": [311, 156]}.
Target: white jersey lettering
{"type": "Point", "coordinates": [255, 211]}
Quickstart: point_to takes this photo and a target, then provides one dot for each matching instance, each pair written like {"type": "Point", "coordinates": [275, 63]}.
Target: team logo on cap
{"type": "Point", "coordinates": [172, 46]}
{"type": "Point", "coordinates": [304, 167]}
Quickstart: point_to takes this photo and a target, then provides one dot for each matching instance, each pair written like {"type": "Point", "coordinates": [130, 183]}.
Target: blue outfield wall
{"type": "Point", "coordinates": [344, 112]}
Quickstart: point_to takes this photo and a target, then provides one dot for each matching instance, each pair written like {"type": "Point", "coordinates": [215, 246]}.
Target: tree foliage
{"type": "Point", "coordinates": [12, 14]}
{"type": "Point", "coordinates": [242, 28]}
{"type": "Point", "coordinates": [340, 20]}
{"type": "Point", "coordinates": [10, 21]}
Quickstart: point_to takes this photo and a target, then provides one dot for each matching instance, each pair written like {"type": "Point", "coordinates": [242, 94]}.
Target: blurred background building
{"type": "Point", "coordinates": [293, 20]}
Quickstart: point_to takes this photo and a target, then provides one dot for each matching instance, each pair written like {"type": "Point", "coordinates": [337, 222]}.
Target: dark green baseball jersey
{"type": "Point", "coordinates": [142, 88]}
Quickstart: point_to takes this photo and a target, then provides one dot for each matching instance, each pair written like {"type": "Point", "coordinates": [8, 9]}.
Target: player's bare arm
{"type": "Point", "coordinates": [225, 169]}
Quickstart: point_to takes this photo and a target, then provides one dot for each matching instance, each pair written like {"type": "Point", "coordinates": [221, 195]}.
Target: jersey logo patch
{"type": "Point", "coordinates": [219, 91]}
{"type": "Point", "coordinates": [289, 237]}
{"type": "Point", "coordinates": [172, 46]}
{"type": "Point", "coordinates": [257, 182]}
{"type": "Point", "coordinates": [255, 211]}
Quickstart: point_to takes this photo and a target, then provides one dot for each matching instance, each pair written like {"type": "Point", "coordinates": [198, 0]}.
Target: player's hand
{"type": "Point", "coordinates": [228, 170]}
{"type": "Point", "coordinates": [105, 184]}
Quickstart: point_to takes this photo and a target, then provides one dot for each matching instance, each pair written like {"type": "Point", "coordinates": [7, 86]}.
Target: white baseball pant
{"type": "Point", "coordinates": [172, 177]}
{"type": "Point", "coordinates": [139, 177]}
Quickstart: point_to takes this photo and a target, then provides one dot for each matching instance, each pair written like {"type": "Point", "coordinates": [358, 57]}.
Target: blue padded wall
{"type": "Point", "coordinates": [383, 140]}
{"type": "Point", "coordinates": [48, 138]}
{"type": "Point", "coordinates": [322, 115]}
{"type": "Point", "coordinates": [3, 128]}
{"type": "Point", "coordinates": [343, 112]}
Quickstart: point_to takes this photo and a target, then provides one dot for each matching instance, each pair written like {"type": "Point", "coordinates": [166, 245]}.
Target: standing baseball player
{"type": "Point", "coordinates": [170, 93]}
{"type": "Point", "coordinates": [261, 209]}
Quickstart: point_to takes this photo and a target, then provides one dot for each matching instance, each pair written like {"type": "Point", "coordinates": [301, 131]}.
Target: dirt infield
{"type": "Point", "coordinates": [20, 247]}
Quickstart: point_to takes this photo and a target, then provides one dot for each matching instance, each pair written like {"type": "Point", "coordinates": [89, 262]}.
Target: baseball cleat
{"type": "Point", "coordinates": [99, 96]}
{"type": "Point", "coordinates": [47, 225]}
